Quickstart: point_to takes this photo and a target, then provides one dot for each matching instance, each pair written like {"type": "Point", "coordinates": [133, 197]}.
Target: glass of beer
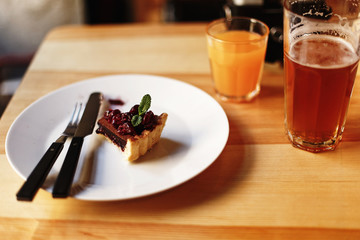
{"type": "Point", "coordinates": [236, 49]}
{"type": "Point", "coordinates": [321, 55]}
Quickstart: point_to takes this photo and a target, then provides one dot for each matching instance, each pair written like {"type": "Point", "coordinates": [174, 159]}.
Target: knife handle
{"type": "Point", "coordinates": [66, 175]}
{"type": "Point", "coordinates": [38, 175]}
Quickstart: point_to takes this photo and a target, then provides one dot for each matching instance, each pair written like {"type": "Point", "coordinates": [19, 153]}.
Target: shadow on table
{"type": "Point", "coordinates": [229, 171]}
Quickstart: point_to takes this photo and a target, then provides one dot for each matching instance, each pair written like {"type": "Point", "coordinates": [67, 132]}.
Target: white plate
{"type": "Point", "coordinates": [195, 134]}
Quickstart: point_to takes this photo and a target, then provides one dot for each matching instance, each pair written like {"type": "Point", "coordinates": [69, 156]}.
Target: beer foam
{"type": "Point", "coordinates": [301, 26]}
{"type": "Point", "coordinates": [322, 51]}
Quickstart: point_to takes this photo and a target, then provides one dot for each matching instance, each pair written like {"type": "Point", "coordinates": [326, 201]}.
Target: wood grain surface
{"type": "Point", "coordinates": [260, 187]}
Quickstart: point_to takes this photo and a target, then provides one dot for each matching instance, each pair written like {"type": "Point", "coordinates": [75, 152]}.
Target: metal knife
{"type": "Point", "coordinates": [86, 125]}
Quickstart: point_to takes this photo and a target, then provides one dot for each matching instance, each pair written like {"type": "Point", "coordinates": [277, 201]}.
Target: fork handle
{"type": "Point", "coordinates": [40, 172]}
{"type": "Point", "coordinates": [66, 175]}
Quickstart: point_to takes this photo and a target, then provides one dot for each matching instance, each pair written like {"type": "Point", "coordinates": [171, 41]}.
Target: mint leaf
{"type": "Point", "coordinates": [144, 104]}
{"type": "Point", "coordinates": [136, 120]}
{"type": "Point", "coordinates": [143, 107]}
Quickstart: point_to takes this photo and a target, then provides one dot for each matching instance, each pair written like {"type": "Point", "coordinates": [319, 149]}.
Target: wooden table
{"type": "Point", "coordinates": [259, 188]}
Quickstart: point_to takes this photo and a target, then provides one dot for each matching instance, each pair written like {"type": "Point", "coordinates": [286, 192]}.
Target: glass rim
{"type": "Point", "coordinates": [302, 16]}
{"type": "Point", "coordinates": [223, 20]}
{"type": "Point", "coordinates": [286, 7]}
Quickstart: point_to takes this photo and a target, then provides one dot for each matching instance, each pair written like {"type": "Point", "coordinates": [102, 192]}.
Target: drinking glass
{"type": "Point", "coordinates": [236, 49]}
{"type": "Point", "coordinates": [321, 55]}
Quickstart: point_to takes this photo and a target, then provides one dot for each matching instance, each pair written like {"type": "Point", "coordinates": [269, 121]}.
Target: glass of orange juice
{"type": "Point", "coordinates": [236, 49]}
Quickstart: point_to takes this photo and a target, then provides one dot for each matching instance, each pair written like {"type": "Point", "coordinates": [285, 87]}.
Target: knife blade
{"type": "Point", "coordinates": [86, 125]}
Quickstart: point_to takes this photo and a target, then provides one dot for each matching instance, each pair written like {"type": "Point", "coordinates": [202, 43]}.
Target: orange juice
{"type": "Point", "coordinates": [236, 60]}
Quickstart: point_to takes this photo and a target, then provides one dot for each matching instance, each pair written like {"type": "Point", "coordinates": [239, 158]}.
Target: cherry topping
{"type": "Point", "coordinates": [134, 110]}
{"type": "Point", "coordinates": [148, 120]}
{"type": "Point", "coordinates": [122, 121]}
{"type": "Point", "coordinates": [126, 129]}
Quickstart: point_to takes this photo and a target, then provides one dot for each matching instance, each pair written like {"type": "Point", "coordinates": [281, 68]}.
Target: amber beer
{"type": "Point", "coordinates": [319, 73]}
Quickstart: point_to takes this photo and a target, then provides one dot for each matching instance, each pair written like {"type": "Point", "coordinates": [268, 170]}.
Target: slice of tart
{"type": "Point", "coordinates": [134, 132]}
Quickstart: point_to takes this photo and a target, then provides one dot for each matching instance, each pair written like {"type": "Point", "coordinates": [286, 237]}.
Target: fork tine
{"type": "Point", "coordinates": [73, 114]}
{"type": "Point", "coordinates": [77, 118]}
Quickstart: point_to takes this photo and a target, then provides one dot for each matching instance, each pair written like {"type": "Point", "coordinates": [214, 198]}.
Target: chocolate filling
{"type": "Point", "coordinates": [110, 132]}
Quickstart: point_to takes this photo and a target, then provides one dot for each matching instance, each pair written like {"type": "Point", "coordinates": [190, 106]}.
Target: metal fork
{"type": "Point", "coordinates": [42, 169]}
